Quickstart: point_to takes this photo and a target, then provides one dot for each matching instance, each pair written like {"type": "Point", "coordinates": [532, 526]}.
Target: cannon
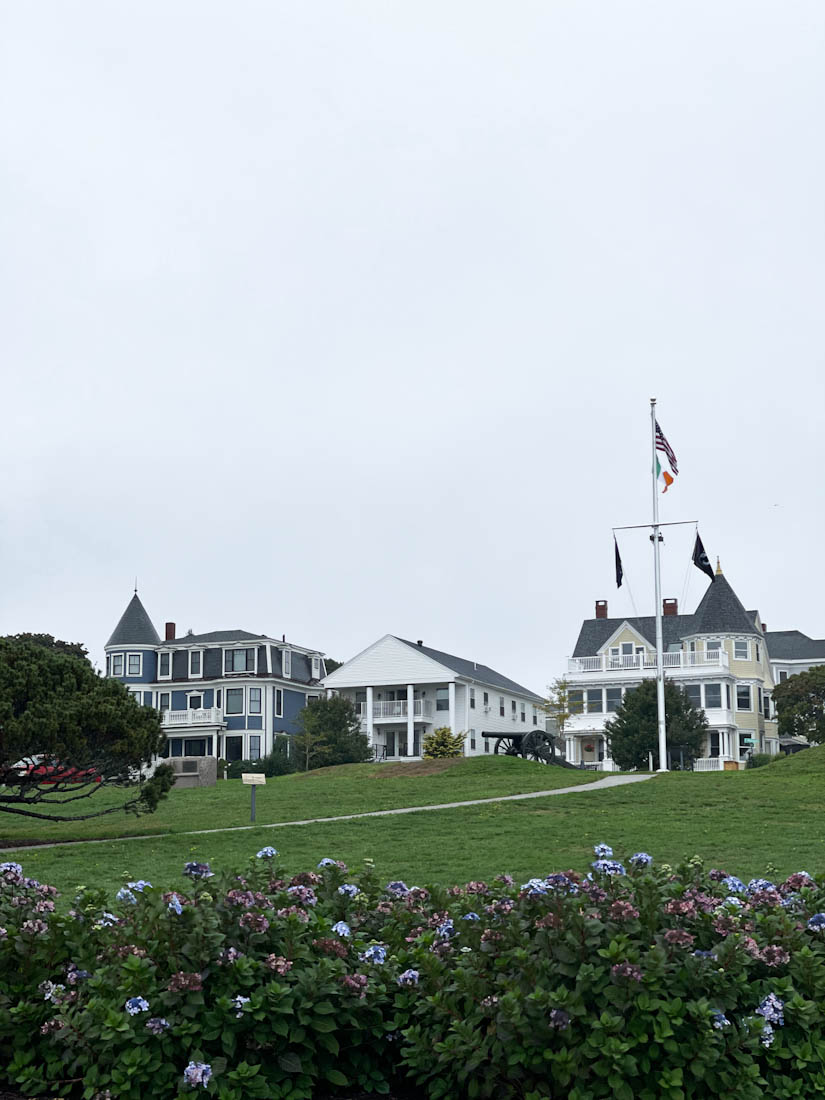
{"type": "Point", "coordinates": [535, 745]}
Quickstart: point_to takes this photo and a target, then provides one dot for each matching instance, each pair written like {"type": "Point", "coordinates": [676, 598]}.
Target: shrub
{"type": "Point", "coordinates": [759, 760]}
{"type": "Point", "coordinates": [441, 743]}
{"type": "Point", "coordinates": [279, 762]}
{"type": "Point", "coordinates": [630, 982]}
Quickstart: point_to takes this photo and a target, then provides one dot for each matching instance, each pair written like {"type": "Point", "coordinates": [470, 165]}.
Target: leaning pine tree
{"type": "Point", "coordinates": [634, 734]}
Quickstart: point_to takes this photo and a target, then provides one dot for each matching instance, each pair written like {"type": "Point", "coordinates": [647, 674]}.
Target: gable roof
{"type": "Point", "coordinates": [595, 633]}
{"type": "Point", "coordinates": [472, 670]}
{"type": "Point", "coordinates": [135, 626]}
{"type": "Point", "coordinates": [793, 645]}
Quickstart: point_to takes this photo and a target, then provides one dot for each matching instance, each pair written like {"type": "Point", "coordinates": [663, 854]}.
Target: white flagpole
{"type": "Point", "coordinates": [660, 671]}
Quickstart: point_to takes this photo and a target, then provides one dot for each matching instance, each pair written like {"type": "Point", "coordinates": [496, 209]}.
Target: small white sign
{"type": "Point", "coordinates": [253, 779]}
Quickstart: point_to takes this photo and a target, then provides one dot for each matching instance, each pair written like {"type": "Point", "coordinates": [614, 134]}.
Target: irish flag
{"type": "Point", "coordinates": [662, 476]}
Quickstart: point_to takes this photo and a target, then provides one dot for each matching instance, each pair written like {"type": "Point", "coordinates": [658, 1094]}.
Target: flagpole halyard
{"type": "Point", "coordinates": [660, 672]}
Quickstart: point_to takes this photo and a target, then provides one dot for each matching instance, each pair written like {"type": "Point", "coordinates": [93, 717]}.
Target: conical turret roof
{"type": "Point", "coordinates": [135, 627]}
{"type": "Point", "coordinates": [721, 611]}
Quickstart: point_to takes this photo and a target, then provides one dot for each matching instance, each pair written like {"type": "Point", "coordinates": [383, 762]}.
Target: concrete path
{"type": "Point", "coordinates": [598, 785]}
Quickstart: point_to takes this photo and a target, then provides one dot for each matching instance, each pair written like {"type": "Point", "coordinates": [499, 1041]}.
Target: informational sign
{"type": "Point", "coordinates": [253, 779]}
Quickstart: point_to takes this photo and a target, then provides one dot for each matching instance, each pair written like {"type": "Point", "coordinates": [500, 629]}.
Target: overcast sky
{"type": "Point", "coordinates": [339, 319]}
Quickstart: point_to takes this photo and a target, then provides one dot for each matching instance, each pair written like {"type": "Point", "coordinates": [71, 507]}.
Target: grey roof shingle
{"type": "Point", "coordinates": [216, 636]}
{"type": "Point", "coordinates": [135, 626]}
{"type": "Point", "coordinates": [793, 645]}
{"type": "Point", "coordinates": [471, 669]}
{"type": "Point", "coordinates": [719, 612]}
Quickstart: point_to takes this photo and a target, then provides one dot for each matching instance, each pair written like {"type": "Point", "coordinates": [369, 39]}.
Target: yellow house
{"type": "Point", "coordinates": [718, 655]}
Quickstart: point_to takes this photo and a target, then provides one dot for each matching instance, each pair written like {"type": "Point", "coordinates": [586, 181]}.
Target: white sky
{"type": "Point", "coordinates": [341, 319]}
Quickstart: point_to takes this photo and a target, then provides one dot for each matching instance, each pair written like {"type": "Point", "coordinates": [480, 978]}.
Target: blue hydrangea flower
{"type": "Point", "coordinates": [267, 853]}
{"type": "Point", "coordinates": [327, 862]}
{"type": "Point", "coordinates": [704, 955]}
{"type": "Point", "coordinates": [759, 884]}
{"type": "Point", "coordinates": [198, 870]}
{"type": "Point", "coordinates": [772, 1008]}
{"type": "Point", "coordinates": [561, 882]}
{"type": "Point", "coordinates": [640, 859]}
{"type": "Point", "coordinates": [157, 1025]}
{"type": "Point", "coordinates": [140, 885]}
{"type": "Point", "coordinates": [734, 885]}
{"type": "Point", "coordinates": [471, 916]}
{"type": "Point", "coordinates": [398, 889]}
{"type": "Point", "coordinates": [15, 868]}
{"type": "Point", "coordinates": [106, 920]}
{"type": "Point", "coordinates": [608, 867]}
{"type": "Point", "coordinates": [768, 1036]}
{"type": "Point", "coordinates": [197, 1073]}
{"type": "Point", "coordinates": [348, 889]}
{"type": "Point", "coordinates": [409, 977]}
{"type": "Point", "coordinates": [602, 851]}
{"type": "Point", "coordinates": [341, 928]}
{"type": "Point", "coordinates": [719, 1020]}
{"type": "Point", "coordinates": [125, 894]}
{"type": "Point", "coordinates": [534, 887]}
{"type": "Point", "coordinates": [174, 905]}
{"type": "Point", "coordinates": [733, 902]}
{"type": "Point", "coordinates": [135, 1005]}
{"type": "Point", "coordinates": [238, 1003]}
{"type": "Point", "coordinates": [446, 930]}
{"type": "Point", "coordinates": [817, 922]}
{"type": "Point", "coordinates": [375, 953]}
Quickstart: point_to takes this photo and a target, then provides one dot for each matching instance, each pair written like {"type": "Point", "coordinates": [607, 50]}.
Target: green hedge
{"type": "Point", "coordinates": [634, 982]}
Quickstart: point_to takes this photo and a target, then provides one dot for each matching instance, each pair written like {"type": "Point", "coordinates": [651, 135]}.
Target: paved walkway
{"type": "Point", "coordinates": [582, 788]}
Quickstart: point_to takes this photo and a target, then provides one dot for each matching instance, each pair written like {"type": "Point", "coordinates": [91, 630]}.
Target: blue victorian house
{"type": "Point", "coordinates": [227, 693]}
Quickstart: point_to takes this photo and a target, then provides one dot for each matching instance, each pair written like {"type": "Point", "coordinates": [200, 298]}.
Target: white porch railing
{"type": "Point", "coordinates": [396, 708]}
{"type": "Point", "coordinates": [202, 716]}
{"type": "Point", "coordinates": [631, 662]}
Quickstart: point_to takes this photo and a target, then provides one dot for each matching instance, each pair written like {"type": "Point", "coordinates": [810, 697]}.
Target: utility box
{"type": "Point", "coordinates": [731, 765]}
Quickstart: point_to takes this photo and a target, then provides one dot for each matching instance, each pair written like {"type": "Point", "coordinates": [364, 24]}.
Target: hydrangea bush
{"type": "Point", "coordinates": [633, 981]}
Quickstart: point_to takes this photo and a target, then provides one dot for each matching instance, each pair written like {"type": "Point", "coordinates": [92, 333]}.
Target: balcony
{"type": "Point", "coordinates": [645, 663]}
{"type": "Point", "coordinates": [202, 716]}
{"type": "Point", "coordinates": [394, 710]}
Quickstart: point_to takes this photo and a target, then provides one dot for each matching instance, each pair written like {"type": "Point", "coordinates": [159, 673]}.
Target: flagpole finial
{"type": "Point", "coordinates": [718, 568]}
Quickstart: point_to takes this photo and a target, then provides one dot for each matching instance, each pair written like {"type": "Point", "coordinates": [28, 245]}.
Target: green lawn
{"type": "Point", "coordinates": [752, 823]}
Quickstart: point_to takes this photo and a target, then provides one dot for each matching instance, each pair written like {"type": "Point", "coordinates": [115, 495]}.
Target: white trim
{"type": "Point", "coordinates": [113, 657]}
{"type": "Point", "coordinates": [625, 625]}
{"type": "Point", "coordinates": [234, 713]}
{"type": "Point", "coordinates": [278, 703]}
{"type": "Point", "coordinates": [165, 653]}
{"type": "Point", "coordinates": [286, 659]}
{"type": "Point", "coordinates": [315, 667]}
{"type": "Point", "coordinates": [139, 673]}
{"type": "Point", "coordinates": [259, 712]}
{"type": "Point", "coordinates": [195, 675]}
{"type": "Point", "coordinates": [235, 649]}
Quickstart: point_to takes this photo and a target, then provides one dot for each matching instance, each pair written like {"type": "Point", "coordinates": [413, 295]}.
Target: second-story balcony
{"type": "Point", "coordinates": [200, 716]}
{"type": "Point", "coordinates": [645, 663]}
{"type": "Point", "coordinates": [389, 710]}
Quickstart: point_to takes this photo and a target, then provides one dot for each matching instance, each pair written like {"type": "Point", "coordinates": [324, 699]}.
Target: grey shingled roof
{"type": "Point", "coordinates": [471, 669]}
{"type": "Point", "coordinates": [793, 645]}
{"type": "Point", "coordinates": [719, 612]}
{"type": "Point", "coordinates": [216, 636]}
{"type": "Point", "coordinates": [135, 626]}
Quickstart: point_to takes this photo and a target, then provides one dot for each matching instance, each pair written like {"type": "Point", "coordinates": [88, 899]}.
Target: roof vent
{"type": "Point", "coordinates": [190, 632]}
{"type": "Point", "coordinates": [419, 642]}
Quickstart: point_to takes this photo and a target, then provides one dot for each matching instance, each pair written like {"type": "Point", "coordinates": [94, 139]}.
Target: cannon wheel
{"type": "Point", "coordinates": [538, 746]}
{"type": "Point", "coordinates": [508, 746]}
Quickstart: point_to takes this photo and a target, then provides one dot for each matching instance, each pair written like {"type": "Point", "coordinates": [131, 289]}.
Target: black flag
{"type": "Point", "coordinates": [619, 570]}
{"type": "Point", "coordinates": [700, 558]}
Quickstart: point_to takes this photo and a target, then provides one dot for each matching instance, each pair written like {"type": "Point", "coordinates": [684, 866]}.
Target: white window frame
{"type": "Point", "coordinates": [240, 672]}
{"type": "Point", "coordinates": [472, 740]}
{"type": "Point", "coordinates": [129, 657]}
{"type": "Point", "coordinates": [749, 689]}
{"type": "Point", "coordinates": [738, 642]}
{"type": "Point", "coordinates": [279, 703]}
{"type": "Point", "coordinates": [137, 694]}
{"type": "Point", "coordinates": [165, 653]}
{"type": "Point", "coordinates": [260, 741]}
{"type": "Point", "coordinates": [118, 657]}
{"type": "Point", "coordinates": [158, 696]}
{"type": "Point", "coordinates": [234, 713]}
{"type": "Point", "coordinates": [195, 675]}
{"type": "Point", "coordinates": [249, 691]}
{"type": "Point", "coordinates": [286, 664]}
{"type": "Point", "coordinates": [310, 699]}
{"type": "Point", "coordinates": [316, 668]}
{"type": "Point", "coordinates": [472, 698]}
{"type": "Point", "coordinates": [523, 713]}
{"type": "Point", "coordinates": [713, 645]}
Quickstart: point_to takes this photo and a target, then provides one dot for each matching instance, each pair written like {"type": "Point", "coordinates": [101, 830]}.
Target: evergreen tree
{"type": "Point", "coordinates": [441, 743]}
{"type": "Point", "coordinates": [330, 733]}
{"type": "Point", "coordinates": [800, 705]}
{"type": "Point", "coordinates": [634, 732]}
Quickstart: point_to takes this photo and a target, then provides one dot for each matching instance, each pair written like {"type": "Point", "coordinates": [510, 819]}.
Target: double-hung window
{"type": "Point", "coordinates": [316, 668]}
{"type": "Point", "coordinates": [164, 700]}
{"type": "Point", "coordinates": [523, 712]}
{"type": "Point", "coordinates": [743, 697]}
{"type": "Point", "coordinates": [442, 698]}
{"type": "Point", "coordinates": [254, 700]}
{"type": "Point", "coordinates": [234, 701]}
{"type": "Point", "coordinates": [195, 662]}
{"type": "Point", "coordinates": [165, 666]}
{"type": "Point", "coordinates": [694, 694]}
{"type": "Point", "coordinates": [594, 701]}
{"type": "Point", "coordinates": [501, 706]}
{"type": "Point", "coordinates": [713, 696]}
{"type": "Point", "coordinates": [613, 699]}
{"type": "Point", "coordinates": [134, 664]}
{"type": "Point", "coordinates": [239, 660]}
{"type": "Point", "coordinates": [279, 702]}
{"type": "Point", "coordinates": [472, 698]}
{"type": "Point", "coordinates": [286, 662]}
{"type": "Point", "coordinates": [740, 650]}
{"type": "Point", "coordinates": [575, 702]}
{"type": "Point", "coordinates": [513, 709]}
{"type": "Point", "coordinates": [117, 664]}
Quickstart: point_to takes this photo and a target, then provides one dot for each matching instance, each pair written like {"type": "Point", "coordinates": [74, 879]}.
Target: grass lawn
{"type": "Point", "coordinates": [760, 822]}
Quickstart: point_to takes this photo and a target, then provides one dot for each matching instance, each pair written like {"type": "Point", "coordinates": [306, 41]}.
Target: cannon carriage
{"type": "Point", "coordinates": [535, 745]}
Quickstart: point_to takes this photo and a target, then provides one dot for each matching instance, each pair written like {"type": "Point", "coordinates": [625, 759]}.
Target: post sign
{"type": "Point", "coordinates": [749, 741]}
{"type": "Point", "coordinates": [253, 779]}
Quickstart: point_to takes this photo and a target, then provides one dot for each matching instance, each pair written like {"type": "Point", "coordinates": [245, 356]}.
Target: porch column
{"type": "Point", "coordinates": [451, 696]}
{"type": "Point", "coordinates": [370, 728]}
{"type": "Point", "coordinates": [410, 720]}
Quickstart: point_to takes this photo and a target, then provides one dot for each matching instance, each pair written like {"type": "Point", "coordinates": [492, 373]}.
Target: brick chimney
{"type": "Point", "coordinates": [170, 632]}
{"type": "Point", "coordinates": [670, 607]}
{"type": "Point", "coordinates": [601, 609]}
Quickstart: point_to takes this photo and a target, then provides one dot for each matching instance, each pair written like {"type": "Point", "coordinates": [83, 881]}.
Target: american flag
{"type": "Point", "coordinates": [663, 445]}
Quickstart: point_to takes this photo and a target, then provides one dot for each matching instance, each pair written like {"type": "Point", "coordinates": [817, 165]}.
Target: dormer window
{"type": "Point", "coordinates": [195, 662]}
{"type": "Point", "coordinates": [286, 662]}
{"type": "Point", "coordinates": [165, 666]}
{"type": "Point", "coordinates": [316, 668]}
{"type": "Point", "coordinates": [240, 660]}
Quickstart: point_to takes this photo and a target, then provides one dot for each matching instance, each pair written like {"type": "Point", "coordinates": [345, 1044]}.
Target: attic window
{"type": "Point", "coordinates": [316, 668]}
{"type": "Point", "coordinates": [286, 662]}
{"type": "Point", "coordinates": [239, 660]}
